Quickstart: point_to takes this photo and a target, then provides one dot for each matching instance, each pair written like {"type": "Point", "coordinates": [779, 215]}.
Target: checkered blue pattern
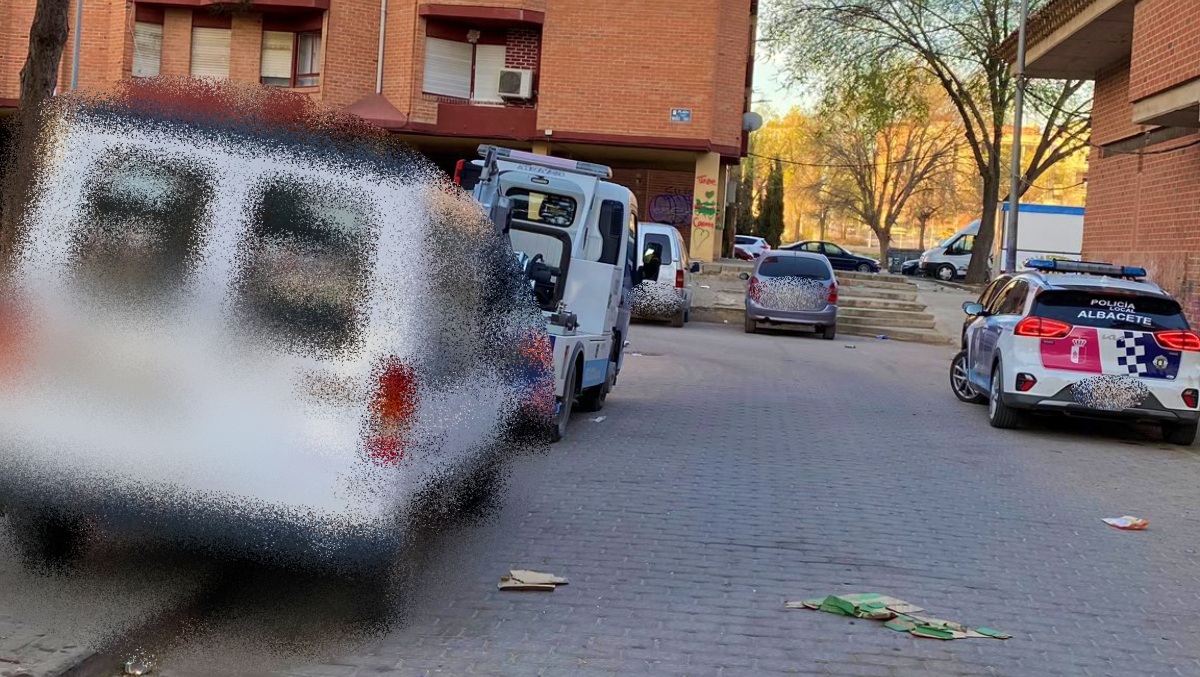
{"type": "Point", "coordinates": [1132, 352]}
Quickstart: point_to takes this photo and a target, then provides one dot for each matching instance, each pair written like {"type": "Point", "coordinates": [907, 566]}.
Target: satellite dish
{"type": "Point", "coordinates": [751, 122]}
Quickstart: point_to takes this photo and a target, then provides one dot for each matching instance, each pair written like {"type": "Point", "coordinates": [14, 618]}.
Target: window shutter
{"type": "Point", "coordinates": [448, 68]}
{"type": "Point", "coordinates": [147, 49]}
{"type": "Point", "coordinates": [489, 59]}
{"type": "Point", "coordinates": [210, 52]}
{"type": "Point", "coordinates": [277, 56]}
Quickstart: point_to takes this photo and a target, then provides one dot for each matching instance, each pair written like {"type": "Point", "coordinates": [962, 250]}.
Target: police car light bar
{"type": "Point", "coordinates": [588, 168]}
{"type": "Point", "coordinates": [1087, 267]}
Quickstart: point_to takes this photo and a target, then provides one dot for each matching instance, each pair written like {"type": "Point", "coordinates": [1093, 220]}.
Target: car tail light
{"type": "Point", "coordinates": [1178, 340]}
{"type": "Point", "coordinates": [1042, 327]}
{"type": "Point", "coordinates": [1025, 382]}
{"type": "Point", "coordinates": [756, 289]}
{"type": "Point", "coordinates": [458, 167]}
{"type": "Point", "coordinates": [833, 293]}
{"type": "Point", "coordinates": [1191, 397]}
{"type": "Point", "coordinates": [392, 412]}
{"type": "Point", "coordinates": [679, 279]}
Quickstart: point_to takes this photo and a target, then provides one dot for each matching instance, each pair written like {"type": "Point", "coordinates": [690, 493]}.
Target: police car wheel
{"type": "Point", "coordinates": [1000, 415]}
{"type": "Point", "coordinates": [959, 382]}
{"type": "Point", "coordinates": [1183, 434]}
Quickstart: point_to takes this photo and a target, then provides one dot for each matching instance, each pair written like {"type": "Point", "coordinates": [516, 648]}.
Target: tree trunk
{"type": "Point", "coordinates": [977, 271]}
{"type": "Point", "coordinates": [47, 38]}
{"type": "Point", "coordinates": [821, 224]}
{"type": "Point", "coordinates": [885, 244]}
{"type": "Point", "coordinates": [921, 236]}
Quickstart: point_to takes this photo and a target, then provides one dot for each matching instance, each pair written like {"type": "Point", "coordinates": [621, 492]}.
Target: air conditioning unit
{"type": "Point", "coordinates": [516, 83]}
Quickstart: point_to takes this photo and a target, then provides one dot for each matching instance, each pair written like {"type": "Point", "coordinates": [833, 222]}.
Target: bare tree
{"type": "Point", "coordinates": [47, 38]}
{"type": "Point", "coordinates": [958, 43]}
{"type": "Point", "coordinates": [885, 138]}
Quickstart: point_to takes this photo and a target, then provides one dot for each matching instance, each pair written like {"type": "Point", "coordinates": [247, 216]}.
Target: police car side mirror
{"type": "Point", "coordinates": [973, 308]}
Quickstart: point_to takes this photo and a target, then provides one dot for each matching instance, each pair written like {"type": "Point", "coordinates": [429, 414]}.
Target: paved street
{"type": "Point", "coordinates": [733, 472]}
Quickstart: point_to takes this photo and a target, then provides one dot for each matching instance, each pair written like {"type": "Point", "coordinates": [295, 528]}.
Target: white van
{"type": "Point", "coordinates": [664, 244]}
{"type": "Point", "coordinates": [950, 258]}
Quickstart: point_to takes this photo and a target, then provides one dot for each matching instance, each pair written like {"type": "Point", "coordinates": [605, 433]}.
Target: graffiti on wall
{"type": "Point", "coordinates": [671, 208]}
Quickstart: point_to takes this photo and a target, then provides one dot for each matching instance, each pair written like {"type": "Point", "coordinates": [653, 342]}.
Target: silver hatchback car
{"type": "Point", "coordinates": [792, 288]}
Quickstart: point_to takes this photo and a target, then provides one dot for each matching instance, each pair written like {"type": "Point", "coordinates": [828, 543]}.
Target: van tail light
{"type": "Point", "coordinates": [392, 412]}
{"type": "Point", "coordinates": [1187, 341]}
{"type": "Point", "coordinates": [756, 289]}
{"type": "Point", "coordinates": [833, 293]}
{"type": "Point", "coordinates": [1042, 327]}
{"type": "Point", "coordinates": [679, 279]}
{"type": "Point", "coordinates": [1191, 397]}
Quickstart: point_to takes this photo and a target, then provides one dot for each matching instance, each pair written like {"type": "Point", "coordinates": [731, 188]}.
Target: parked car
{"type": "Point", "coordinates": [1082, 339]}
{"type": "Point", "coordinates": [741, 254]}
{"type": "Point", "coordinates": [912, 267]}
{"type": "Point", "coordinates": [792, 288]}
{"type": "Point", "coordinates": [754, 246]}
{"type": "Point", "coordinates": [838, 257]}
{"type": "Point", "coordinates": [665, 292]}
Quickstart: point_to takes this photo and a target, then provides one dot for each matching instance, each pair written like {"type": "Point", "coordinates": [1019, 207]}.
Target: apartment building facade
{"type": "Point", "coordinates": [657, 90]}
{"type": "Point", "coordinates": [1143, 197]}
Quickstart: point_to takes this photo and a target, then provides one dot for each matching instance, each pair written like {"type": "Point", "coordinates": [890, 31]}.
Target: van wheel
{"type": "Point", "coordinates": [751, 325]}
{"type": "Point", "coordinates": [945, 272]}
{"type": "Point", "coordinates": [1183, 434]}
{"type": "Point", "coordinates": [568, 403]}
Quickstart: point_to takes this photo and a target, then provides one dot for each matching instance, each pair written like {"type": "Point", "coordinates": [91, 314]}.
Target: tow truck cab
{"type": "Point", "coordinates": [574, 232]}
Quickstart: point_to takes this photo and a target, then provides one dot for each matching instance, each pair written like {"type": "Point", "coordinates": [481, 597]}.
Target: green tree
{"type": "Point", "coordinates": [963, 45]}
{"type": "Point", "coordinates": [745, 199]}
{"type": "Point", "coordinates": [770, 210]}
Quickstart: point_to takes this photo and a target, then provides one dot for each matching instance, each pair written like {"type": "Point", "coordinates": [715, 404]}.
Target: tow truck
{"type": "Point", "coordinates": [574, 233]}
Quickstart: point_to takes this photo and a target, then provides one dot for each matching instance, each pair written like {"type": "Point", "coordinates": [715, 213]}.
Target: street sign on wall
{"type": "Point", "coordinates": [681, 115]}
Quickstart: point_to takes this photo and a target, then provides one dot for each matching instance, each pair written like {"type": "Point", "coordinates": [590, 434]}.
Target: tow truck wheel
{"type": "Point", "coordinates": [568, 403]}
{"type": "Point", "coordinates": [593, 398]}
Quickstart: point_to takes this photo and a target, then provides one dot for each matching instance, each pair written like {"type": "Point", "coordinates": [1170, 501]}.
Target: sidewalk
{"type": "Point", "coordinates": [945, 304]}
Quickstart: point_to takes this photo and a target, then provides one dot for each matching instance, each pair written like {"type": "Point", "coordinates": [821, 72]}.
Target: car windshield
{"type": "Point", "coordinates": [1110, 311]}
{"type": "Point", "coordinates": [947, 241]}
{"type": "Point", "coordinates": [795, 266]}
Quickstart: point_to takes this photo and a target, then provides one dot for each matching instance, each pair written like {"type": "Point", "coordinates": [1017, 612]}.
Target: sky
{"type": "Point", "coordinates": [769, 88]}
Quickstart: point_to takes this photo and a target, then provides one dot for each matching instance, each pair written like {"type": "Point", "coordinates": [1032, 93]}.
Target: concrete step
{"type": "Point", "coordinates": [875, 293]}
{"type": "Point", "coordinates": [881, 304]}
{"type": "Point", "coordinates": [875, 282]}
{"type": "Point", "coordinates": [886, 318]}
{"type": "Point", "coordinates": [907, 335]}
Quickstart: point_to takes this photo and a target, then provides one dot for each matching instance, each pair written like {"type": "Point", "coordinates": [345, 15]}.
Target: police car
{"type": "Point", "coordinates": [1084, 339]}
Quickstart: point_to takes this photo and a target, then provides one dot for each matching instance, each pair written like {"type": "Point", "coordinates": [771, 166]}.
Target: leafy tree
{"type": "Point", "coordinates": [770, 209]}
{"type": "Point", "coordinates": [745, 198]}
{"type": "Point", "coordinates": [959, 44]}
{"type": "Point", "coordinates": [888, 139]}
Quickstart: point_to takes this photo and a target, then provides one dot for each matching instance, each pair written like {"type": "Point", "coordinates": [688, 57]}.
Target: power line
{"type": "Point", "coordinates": [833, 166]}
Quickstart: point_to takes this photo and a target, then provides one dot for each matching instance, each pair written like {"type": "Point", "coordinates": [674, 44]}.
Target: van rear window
{"type": "Point", "coordinates": [1110, 311]}
{"type": "Point", "coordinates": [795, 266]}
{"type": "Point", "coordinates": [660, 245]}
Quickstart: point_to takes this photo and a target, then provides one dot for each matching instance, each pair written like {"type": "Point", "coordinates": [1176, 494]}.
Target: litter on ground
{"type": "Point", "coordinates": [530, 581]}
{"type": "Point", "coordinates": [897, 615]}
{"type": "Point", "coordinates": [851, 346]}
{"type": "Point", "coordinates": [882, 337]}
{"type": "Point", "coordinates": [598, 419]}
{"type": "Point", "coordinates": [1127, 523]}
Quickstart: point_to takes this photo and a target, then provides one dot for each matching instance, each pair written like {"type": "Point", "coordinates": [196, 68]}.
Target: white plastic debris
{"type": "Point", "coordinates": [598, 419]}
{"type": "Point", "coordinates": [138, 666]}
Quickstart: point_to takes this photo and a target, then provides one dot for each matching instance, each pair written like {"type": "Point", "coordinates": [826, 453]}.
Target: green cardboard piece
{"type": "Point", "coordinates": [839, 605]}
{"type": "Point", "coordinates": [900, 625]}
{"type": "Point", "coordinates": [989, 632]}
{"type": "Point", "coordinates": [932, 633]}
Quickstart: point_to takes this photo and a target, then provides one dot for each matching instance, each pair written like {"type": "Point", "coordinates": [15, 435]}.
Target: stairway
{"type": "Point", "coordinates": [868, 305]}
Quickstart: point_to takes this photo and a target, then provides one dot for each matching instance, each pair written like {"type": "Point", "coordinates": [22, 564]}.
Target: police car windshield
{"type": "Point", "coordinates": [1110, 311]}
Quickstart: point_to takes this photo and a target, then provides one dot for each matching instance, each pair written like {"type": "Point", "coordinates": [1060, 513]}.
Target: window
{"type": "Point", "coordinates": [1110, 311]}
{"type": "Point", "coordinates": [147, 49]}
{"type": "Point", "coordinates": [795, 266]}
{"type": "Point", "coordinates": [814, 247]}
{"type": "Point", "coordinates": [834, 250]}
{"type": "Point", "coordinates": [1012, 302]}
{"type": "Point", "coordinates": [291, 59]}
{"type": "Point", "coordinates": [210, 52]}
{"type": "Point", "coordinates": [543, 208]}
{"type": "Point", "coordinates": [963, 245]}
{"type": "Point", "coordinates": [659, 245]}
{"type": "Point", "coordinates": [463, 71]}
{"type": "Point", "coordinates": [985, 299]}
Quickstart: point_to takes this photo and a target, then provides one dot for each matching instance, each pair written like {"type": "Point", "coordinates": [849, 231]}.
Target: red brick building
{"type": "Point", "coordinates": [1143, 198]}
{"type": "Point", "coordinates": [657, 90]}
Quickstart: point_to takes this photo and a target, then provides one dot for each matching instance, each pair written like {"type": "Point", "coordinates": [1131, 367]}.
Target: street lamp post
{"type": "Point", "coordinates": [1014, 191]}
{"type": "Point", "coordinates": [78, 35]}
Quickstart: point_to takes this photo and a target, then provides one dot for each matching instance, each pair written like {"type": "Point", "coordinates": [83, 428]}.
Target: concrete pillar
{"type": "Point", "coordinates": [706, 207]}
{"type": "Point", "coordinates": [541, 148]}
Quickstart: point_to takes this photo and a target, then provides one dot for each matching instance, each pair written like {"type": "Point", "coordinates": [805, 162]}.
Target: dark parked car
{"type": "Point", "coordinates": [838, 257]}
{"type": "Point", "coordinates": [910, 267]}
